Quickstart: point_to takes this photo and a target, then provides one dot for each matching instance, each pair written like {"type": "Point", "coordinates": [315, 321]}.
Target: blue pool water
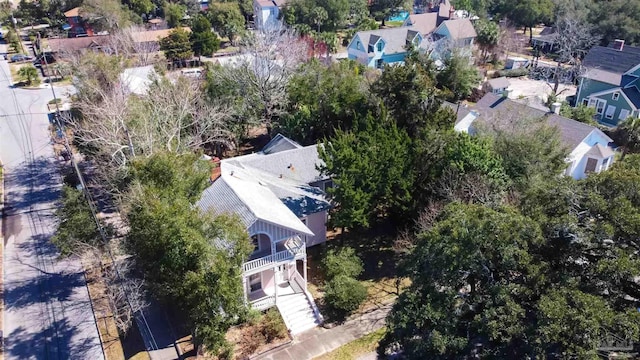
{"type": "Point", "coordinates": [401, 16]}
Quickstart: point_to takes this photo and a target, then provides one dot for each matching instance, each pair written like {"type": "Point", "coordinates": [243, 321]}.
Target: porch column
{"type": "Point", "coordinates": [244, 289]}
{"type": "Point", "coordinates": [275, 283]}
{"type": "Point", "coordinates": [304, 270]}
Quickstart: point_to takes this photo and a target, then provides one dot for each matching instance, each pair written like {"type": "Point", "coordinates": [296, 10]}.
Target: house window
{"type": "Point", "coordinates": [624, 114]}
{"type": "Point", "coordinates": [379, 64]}
{"type": "Point", "coordinates": [591, 165]}
{"type": "Point", "coordinates": [585, 102]}
{"type": "Point", "coordinates": [605, 164]}
{"type": "Point", "coordinates": [600, 106]}
{"type": "Point", "coordinates": [380, 45]}
{"type": "Point", "coordinates": [358, 45]}
{"type": "Point", "coordinates": [255, 282]}
{"type": "Point", "coordinates": [592, 103]}
{"type": "Point", "coordinates": [610, 111]}
{"type": "Point", "coordinates": [616, 95]}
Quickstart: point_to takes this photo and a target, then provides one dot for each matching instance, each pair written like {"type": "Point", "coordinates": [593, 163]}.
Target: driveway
{"type": "Point", "coordinates": [537, 91]}
{"type": "Point", "coordinates": [47, 313]}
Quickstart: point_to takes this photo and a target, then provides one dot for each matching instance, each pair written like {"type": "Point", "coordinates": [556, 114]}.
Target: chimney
{"type": "Point", "coordinates": [215, 171]}
{"type": "Point", "coordinates": [555, 108]}
{"type": "Point", "coordinates": [618, 44]}
{"type": "Point", "coordinates": [452, 13]}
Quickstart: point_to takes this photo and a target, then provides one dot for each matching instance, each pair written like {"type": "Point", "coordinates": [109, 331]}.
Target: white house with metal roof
{"type": "Point", "coordinates": [590, 150]}
{"type": "Point", "coordinates": [278, 194]}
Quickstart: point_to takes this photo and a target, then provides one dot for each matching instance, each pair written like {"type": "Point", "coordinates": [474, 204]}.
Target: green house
{"type": "Point", "coordinates": [611, 82]}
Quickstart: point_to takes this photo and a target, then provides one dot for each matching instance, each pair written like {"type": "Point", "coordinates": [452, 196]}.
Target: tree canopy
{"type": "Point", "coordinates": [203, 40]}
{"type": "Point", "coordinates": [177, 46]}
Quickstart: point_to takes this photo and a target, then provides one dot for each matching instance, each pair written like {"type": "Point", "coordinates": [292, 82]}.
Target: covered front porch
{"type": "Point", "coordinates": [265, 288]}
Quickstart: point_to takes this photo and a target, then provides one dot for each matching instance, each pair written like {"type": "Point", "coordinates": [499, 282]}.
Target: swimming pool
{"type": "Point", "coordinates": [400, 16]}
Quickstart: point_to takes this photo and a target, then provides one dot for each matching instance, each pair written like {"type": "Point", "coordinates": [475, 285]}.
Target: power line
{"type": "Point", "coordinates": [94, 214]}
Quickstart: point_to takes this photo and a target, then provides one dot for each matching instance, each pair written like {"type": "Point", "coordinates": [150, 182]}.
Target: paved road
{"type": "Point", "coordinates": [47, 310]}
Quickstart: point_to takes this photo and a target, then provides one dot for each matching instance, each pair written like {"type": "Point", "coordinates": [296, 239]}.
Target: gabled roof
{"type": "Point", "coordinates": [76, 44]}
{"type": "Point", "coordinates": [298, 164]}
{"type": "Point", "coordinates": [72, 13]}
{"type": "Point", "coordinates": [459, 28]}
{"type": "Point", "coordinates": [633, 94]}
{"type": "Point", "coordinates": [499, 83]}
{"type": "Point", "coordinates": [461, 111]}
{"type": "Point", "coordinates": [425, 23]}
{"type": "Point", "coordinates": [395, 38]}
{"type": "Point", "coordinates": [239, 192]}
{"type": "Point", "coordinates": [280, 143]}
{"type": "Point", "coordinates": [612, 60]}
{"type": "Point", "coordinates": [571, 132]}
{"type": "Point", "coordinates": [600, 151]}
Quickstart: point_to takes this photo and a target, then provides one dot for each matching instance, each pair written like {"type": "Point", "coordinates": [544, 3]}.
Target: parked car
{"type": "Point", "coordinates": [20, 58]}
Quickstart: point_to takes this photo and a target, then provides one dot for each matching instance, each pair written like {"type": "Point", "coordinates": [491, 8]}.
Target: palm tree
{"type": "Point", "coordinates": [28, 73]}
{"type": "Point", "coordinates": [631, 130]}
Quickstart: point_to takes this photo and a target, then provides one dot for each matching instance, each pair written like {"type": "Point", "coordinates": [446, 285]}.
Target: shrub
{"type": "Point", "coordinates": [342, 262]}
{"type": "Point", "coordinates": [273, 327]}
{"type": "Point", "coordinates": [344, 294]}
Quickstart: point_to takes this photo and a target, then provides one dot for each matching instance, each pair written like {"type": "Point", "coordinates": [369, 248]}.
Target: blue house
{"type": "Point", "coordinates": [611, 83]}
{"type": "Point", "coordinates": [266, 13]}
{"type": "Point", "coordinates": [375, 48]}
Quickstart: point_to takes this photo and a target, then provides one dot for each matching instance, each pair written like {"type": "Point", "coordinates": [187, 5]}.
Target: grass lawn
{"type": "Point", "coordinates": [352, 350]}
{"type": "Point", "coordinates": [392, 24]}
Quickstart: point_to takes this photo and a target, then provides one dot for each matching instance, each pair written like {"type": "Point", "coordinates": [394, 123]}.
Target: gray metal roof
{"type": "Point", "coordinates": [571, 132]}
{"type": "Point", "coordinates": [612, 60]}
{"type": "Point", "coordinates": [280, 143]}
{"type": "Point", "coordinates": [219, 198]}
{"type": "Point", "coordinates": [395, 38]}
{"type": "Point", "coordinates": [298, 164]}
{"type": "Point", "coordinates": [607, 77]}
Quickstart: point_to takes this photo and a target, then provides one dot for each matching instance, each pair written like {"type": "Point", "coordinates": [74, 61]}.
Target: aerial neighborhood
{"type": "Point", "coordinates": [312, 179]}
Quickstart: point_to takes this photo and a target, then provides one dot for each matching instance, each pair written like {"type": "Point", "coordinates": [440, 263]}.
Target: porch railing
{"type": "Point", "coordinates": [264, 303]}
{"type": "Point", "coordinates": [294, 252]}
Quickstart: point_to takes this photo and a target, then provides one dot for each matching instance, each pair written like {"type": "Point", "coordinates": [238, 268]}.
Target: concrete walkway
{"type": "Point", "coordinates": [319, 341]}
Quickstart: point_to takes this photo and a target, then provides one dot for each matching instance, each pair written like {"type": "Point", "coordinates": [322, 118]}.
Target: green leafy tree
{"type": "Point", "coordinates": [371, 168]}
{"type": "Point", "coordinates": [190, 259]}
{"type": "Point", "coordinates": [324, 98]}
{"type": "Point", "coordinates": [318, 16]}
{"type": "Point", "coordinates": [227, 19]}
{"type": "Point", "coordinates": [382, 9]}
{"type": "Point", "coordinates": [173, 13]}
{"type": "Point", "coordinates": [344, 294]}
{"type": "Point", "coordinates": [343, 262]}
{"type": "Point", "coordinates": [177, 46]}
{"type": "Point", "coordinates": [580, 113]}
{"type": "Point", "coordinates": [28, 73]}
{"type": "Point", "coordinates": [488, 36]}
{"type": "Point", "coordinates": [615, 19]}
{"type": "Point", "coordinates": [141, 7]}
{"type": "Point", "coordinates": [458, 77]}
{"type": "Point", "coordinates": [77, 229]}
{"type": "Point", "coordinates": [467, 274]}
{"type": "Point", "coordinates": [203, 40]}
{"type": "Point", "coordinates": [409, 94]}
{"type": "Point", "coordinates": [529, 13]}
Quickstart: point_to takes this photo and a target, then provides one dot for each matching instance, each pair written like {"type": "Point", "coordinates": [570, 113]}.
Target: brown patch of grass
{"type": "Point", "coordinates": [251, 338]}
{"type": "Point", "coordinates": [106, 324]}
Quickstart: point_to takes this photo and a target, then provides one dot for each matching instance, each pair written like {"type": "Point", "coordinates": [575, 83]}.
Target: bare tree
{"type": "Point", "coordinates": [125, 291]}
{"type": "Point", "coordinates": [133, 43]}
{"type": "Point", "coordinates": [572, 40]}
{"type": "Point", "coordinates": [262, 71]}
{"type": "Point", "coordinates": [510, 41]}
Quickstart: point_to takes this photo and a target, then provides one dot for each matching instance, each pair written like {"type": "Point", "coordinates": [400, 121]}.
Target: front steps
{"type": "Point", "coordinates": [297, 312]}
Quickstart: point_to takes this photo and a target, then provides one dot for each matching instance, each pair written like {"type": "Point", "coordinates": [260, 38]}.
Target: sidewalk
{"type": "Point", "coordinates": [319, 341]}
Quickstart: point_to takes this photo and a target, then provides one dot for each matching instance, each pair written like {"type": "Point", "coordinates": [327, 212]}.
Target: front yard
{"type": "Point", "coordinates": [380, 275]}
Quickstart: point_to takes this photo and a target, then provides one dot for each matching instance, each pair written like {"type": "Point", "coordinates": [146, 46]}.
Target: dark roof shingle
{"type": "Point", "coordinates": [612, 60]}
